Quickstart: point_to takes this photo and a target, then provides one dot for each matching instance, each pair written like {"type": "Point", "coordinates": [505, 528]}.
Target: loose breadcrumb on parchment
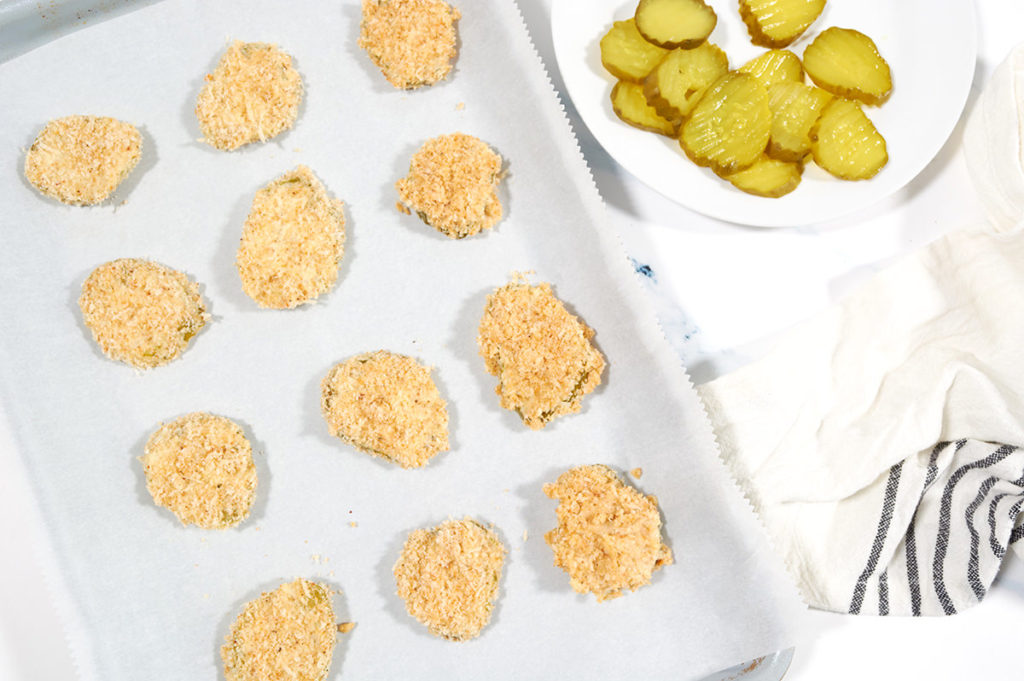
{"type": "Point", "coordinates": [387, 405]}
{"type": "Point", "coordinates": [452, 184]}
{"type": "Point", "coordinates": [449, 576]}
{"type": "Point", "coordinates": [540, 352]}
{"type": "Point", "coordinates": [252, 96]}
{"type": "Point", "coordinates": [141, 313]}
{"type": "Point", "coordinates": [80, 160]}
{"type": "Point", "coordinates": [200, 467]}
{"type": "Point", "coordinates": [284, 635]}
{"type": "Point", "coordinates": [292, 242]}
{"type": "Point", "coordinates": [608, 536]}
{"type": "Point", "coordinates": [413, 42]}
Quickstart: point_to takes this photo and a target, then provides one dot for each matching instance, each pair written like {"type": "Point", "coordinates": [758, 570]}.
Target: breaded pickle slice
{"type": "Point", "coordinates": [775, 66]}
{"type": "Point", "coordinates": [730, 126]}
{"type": "Point", "coordinates": [795, 109]}
{"type": "Point", "coordinates": [777, 23]}
{"type": "Point", "coordinates": [675, 23]}
{"type": "Point", "coordinates": [846, 143]}
{"type": "Point", "coordinates": [847, 63]}
{"type": "Point", "coordinates": [631, 106]}
{"type": "Point", "coordinates": [626, 54]}
{"type": "Point", "coordinates": [768, 177]}
{"type": "Point", "coordinates": [677, 83]}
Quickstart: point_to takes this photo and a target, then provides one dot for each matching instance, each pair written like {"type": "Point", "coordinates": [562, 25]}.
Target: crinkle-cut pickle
{"type": "Point", "coordinates": [847, 63]}
{"type": "Point", "coordinates": [795, 109]}
{"type": "Point", "coordinates": [629, 104]}
{"type": "Point", "coordinates": [777, 23]}
{"type": "Point", "coordinates": [768, 177]}
{"type": "Point", "coordinates": [729, 128]}
{"type": "Point", "coordinates": [675, 23]}
{"type": "Point", "coordinates": [626, 54]}
{"type": "Point", "coordinates": [775, 66]}
{"type": "Point", "coordinates": [676, 84]}
{"type": "Point", "coordinates": [846, 143]}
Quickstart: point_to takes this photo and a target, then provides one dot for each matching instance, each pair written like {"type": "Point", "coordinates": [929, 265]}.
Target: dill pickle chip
{"type": "Point", "coordinates": [676, 84]}
{"type": "Point", "coordinates": [626, 54]}
{"type": "Point", "coordinates": [775, 66]}
{"type": "Point", "coordinates": [730, 126]}
{"type": "Point", "coordinates": [846, 62]}
{"type": "Point", "coordinates": [768, 177]}
{"type": "Point", "coordinates": [846, 143]}
{"type": "Point", "coordinates": [795, 109]}
{"type": "Point", "coordinates": [675, 23]}
{"type": "Point", "coordinates": [629, 104]}
{"type": "Point", "coordinates": [777, 23]}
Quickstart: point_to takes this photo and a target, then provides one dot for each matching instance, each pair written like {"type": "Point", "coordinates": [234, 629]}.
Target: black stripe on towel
{"type": "Point", "coordinates": [913, 578]}
{"type": "Point", "coordinates": [883, 593]}
{"type": "Point", "coordinates": [945, 520]}
{"type": "Point", "coordinates": [888, 506]}
{"type": "Point", "coordinates": [998, 550]}
{"type": "Point", "coordinates": [973, 576]}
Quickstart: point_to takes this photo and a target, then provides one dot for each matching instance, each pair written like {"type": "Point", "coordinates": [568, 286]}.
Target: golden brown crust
{"type": "Point", "coordinates": [200, 467]}
{"type": "Point", "coordinates": [541, 354]}
{"type": "Point", "coordinates": [252, 96]}
{"type": "Point", "coordinates": [292, 241]}
{"type": "Point", "coordinates": [413, 42]}
{"type": "Point", "coordinates": [287, 634]}
{"type": "Point", "coordinates": [387, 405]}
{"type": "Point", "coordinates": [451, 185]}
{"type": "Point", "coordinates": [140, 312]}
{"type": "Point", "coordinates": [608, 536]}
{"type": "Point", "coordinates": [449, 575]}
{"type": "Point", "coordinates": [80, 160]}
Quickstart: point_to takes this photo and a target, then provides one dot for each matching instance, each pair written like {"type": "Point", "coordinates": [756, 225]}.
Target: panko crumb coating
{"type": "Point", "coordinates": [387, 405]}
{"type": "Point", "coordinates": [609, 535]}
{"type": "Point", "coordinates": [200, 468]}
{"type": "Point", "coordinates": [252, 96]}
{"type": "Point", "coordinates": [141, 313]}
{"type": "Point", "coordinates": [292, 242]}
{"type": "Point", "coordinates": [449, 576]}
{"type": "Point", "coordinates": [81, 160]}
{"type": "Point", "coordinates": [413, 42]}
{"type": "Point", "coordinates": [287, 634]}
{"type": "Point", "coordinates": [540, 352]}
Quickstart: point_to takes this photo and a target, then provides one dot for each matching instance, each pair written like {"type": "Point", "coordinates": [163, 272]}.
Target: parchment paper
{"type": "Point", "coordinates": [149, 599]}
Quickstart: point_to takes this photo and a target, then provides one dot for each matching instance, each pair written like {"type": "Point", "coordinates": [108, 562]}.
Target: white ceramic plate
{"type": "Point", "coordinates": [930, 46]}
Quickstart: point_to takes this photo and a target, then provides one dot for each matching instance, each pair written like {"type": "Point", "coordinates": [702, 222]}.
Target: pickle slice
{"type": "Point", "coordinates": [730, 126]}
{"type": "Point", "coordinates": [631, 106]}
{"type": "Point", "coordinates": [846, 143]}
{"type": "Point", "coordinates": [676, 84]}
{"type": "Point", "coordinates": [775, 66]}
{"type": "Point", "coordinates": [626, 54]}
{"type": "Point", "coordinates": [768, 177]}
{"type": "Point", "coordinates": [795, 109]}
{"type": "Point", "coordinates": [675, 23]}
{"type": "Point", "coordinates": [847, 63]}
{"type": "Point", "coordinates": [777, 23]}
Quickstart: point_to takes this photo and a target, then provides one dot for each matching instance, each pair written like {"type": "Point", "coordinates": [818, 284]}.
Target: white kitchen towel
{"type": "Point", "coordinates": [880, 441]}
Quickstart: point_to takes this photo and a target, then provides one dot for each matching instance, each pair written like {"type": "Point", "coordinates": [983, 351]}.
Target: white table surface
{"type": "Point", "coordinates": [724, 293]}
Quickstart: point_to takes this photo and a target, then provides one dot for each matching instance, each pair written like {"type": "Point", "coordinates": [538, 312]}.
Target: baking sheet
{"type": "Point", "coordinates": [150, 599]}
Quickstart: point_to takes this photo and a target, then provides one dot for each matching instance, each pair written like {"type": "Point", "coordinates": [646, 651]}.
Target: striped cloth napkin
{"type": "Point", "coordinates": [881, 442]}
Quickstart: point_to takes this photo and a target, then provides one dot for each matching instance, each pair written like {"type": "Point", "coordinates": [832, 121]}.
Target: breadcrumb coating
{"type": "Point", "coordinates": [608, 536]}
{"type": "Point", "coordinates": [386, 404]}
{"type": "Point", "coordinates": [141, 313]}
{"type": "Point", "coordinates": [292, 242]}
{"type": "Point", "coordinates": [451, 185]}
{"type": "Point", "coordinates": [80, 160]}
{"type": "Point", "coordinates": [200, 467]}
{"type": "Point", "coordinates": [413, 42]}
{"type": "Point", "coordinates": [449, 575]}
{"type": "Point", "coordinates": [252, 96]}
{"type": "Point", "coordinates": [287, 634]}
{"type": "Point", "coordinates": [541, 354]}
